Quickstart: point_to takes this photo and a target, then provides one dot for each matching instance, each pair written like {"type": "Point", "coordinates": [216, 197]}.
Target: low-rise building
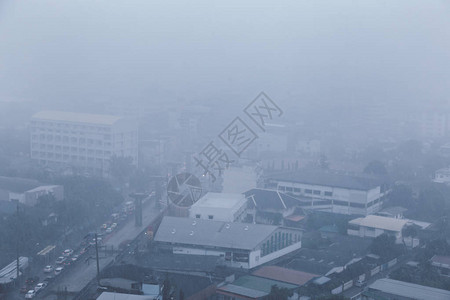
{"type": "Point", "coordinates": [238, 245]}
{"type": "Point", "coordinates": [372, 226]}
{"type": "Point", "coordinates": [442, 263]}
{"type": "Point", "coordinates": [442, 176]}
{"type": "Point", "coordinates": [225, 207]}
{"type": "Point", "coordinates": [394, 289]}
{"type": "Point", "coordinates": [332, 192]}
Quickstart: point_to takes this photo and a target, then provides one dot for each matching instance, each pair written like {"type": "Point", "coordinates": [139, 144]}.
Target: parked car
{"type": "Point", "coordinates": [40, 286]}
{"type": "Point", "coordinates": [24, 289]}
{"type": "Point", "coordinates": [48, 269]}
{"type": "Point", "coordinates": [58, 270]}
{"type": "Point", "coordinates": [67, 252]}
{"type": "Point", "coordinates": [60, 260]}
{"type": "Point", "coordinates": [30, 294]}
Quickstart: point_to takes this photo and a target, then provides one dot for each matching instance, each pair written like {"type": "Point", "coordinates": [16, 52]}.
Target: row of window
{"type": "Point", "coordinates": [198, 216]}
{"type": "Point", "coordinates": [67, 149]}
{"type": "Point", "coordinates": [65, 157]}
{"type": "Point", "coordinates": [70, 126]}
{"type": "Point", "coordinates": [73, 140]}
{"type": "Point", "coordinates": [288, 189]}
{"type": "Point", "coordinates": [278, 241]}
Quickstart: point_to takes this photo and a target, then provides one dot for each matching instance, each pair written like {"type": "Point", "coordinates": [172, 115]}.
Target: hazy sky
{"type": "Point", "coordinates": [293, 50]}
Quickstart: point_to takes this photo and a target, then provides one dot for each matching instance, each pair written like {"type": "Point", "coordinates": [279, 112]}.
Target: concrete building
{"type": "Point", "coordinates": [442, 263]}
{"type": "Point", "coordinates": [82, 142]}
{"type": "Point", "coordinates": [442, 176]}
{"type": "Point", "coordinates": [27, 191]}
{"type": "Point", "coordinates": [331, 192]}
{"type": "Point", "coordinates": [373, 226]}
{"type": "Point", "coordinates": [394, 289]}
{"type": "Point", "coordinates": [237, 245]}
{"type": "Point", "coordinates": [225, 207]}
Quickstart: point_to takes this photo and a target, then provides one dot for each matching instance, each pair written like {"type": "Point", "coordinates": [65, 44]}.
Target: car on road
{"type": "Point", "coordinates": [30, 294]}
{"type": "Point", "coordinates": [99, 241]}
{"type": "Point", "coordinates": [32, 280]}
{"type": "Point", "coordinates": [67, 252]}
{"type": "Point", "coordinates": [60, 260]}
{"type": "Point", "coordinates": [58, 270]}
{"type": "Point", "coordinates": [25, 288]}
{"type": "Point", "coordinates": [113, 226]}
{"type": "Point", "coordinates": [48, 269]}
{"type": "Point", "coordinates": [108, 230]}
{"type": "Point", "coordinates": [40, 286]}
{"type": "Point", "coordinates": [49, 278]}
{"type": "Point", "coordinates": [74, 258]}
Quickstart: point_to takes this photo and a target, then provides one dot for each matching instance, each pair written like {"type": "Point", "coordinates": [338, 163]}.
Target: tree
{"type": "Point", "coordinates": [166, 290]}
{"type": "Point", "coordinates": [121, 167]}
{"type": "Point", "coordinates": [401, 195]}
{"type": "Point", "coordinates": [277, 293]}
{"type": "Point", "coordinates": [181, 295]}
{"type": "Point", "coordinates": [384, 246]}
{"type": "Point", "coordinates": [375, 167]}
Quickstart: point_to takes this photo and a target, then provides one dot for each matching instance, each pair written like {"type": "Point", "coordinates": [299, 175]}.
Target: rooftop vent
{"type": "Point", "coordinates": [227, 226]}
{"type": "Point", "coordinates": [192, 233]}
{"type": "Point", "coordinates": [194, 223]}
{"type": "Point", "coordinates": [173, 231]}
{"type": "Point", "coordinates": [246, 227]}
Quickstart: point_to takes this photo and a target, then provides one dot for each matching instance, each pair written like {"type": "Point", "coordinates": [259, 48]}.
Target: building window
{"type": "Point", "coordinates": [297, 190]}
{"type": "Point", "coordinates": [197, 216]}
{"type": "Point", "coordinates": [210, 217]}
{"type": "Point", "coordinates": [308, 191]}
{"type": "Point", "coordinates": [328, 194]}
{"type": "Point", "coordinates": [289, 189]}
{"type": "Point", "coordinates": [316, 192]}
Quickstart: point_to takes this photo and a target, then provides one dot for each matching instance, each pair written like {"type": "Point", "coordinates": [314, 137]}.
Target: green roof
{"type": "Point", "coordinates": [261, 284]}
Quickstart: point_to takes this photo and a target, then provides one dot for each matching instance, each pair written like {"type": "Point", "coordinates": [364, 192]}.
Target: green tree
{"type": "Point", "coordinates": [375, 167]}
{"type": "Point", "coordinates": [401, 195]}
{"type": "Point", "coordinates": [277, 293]}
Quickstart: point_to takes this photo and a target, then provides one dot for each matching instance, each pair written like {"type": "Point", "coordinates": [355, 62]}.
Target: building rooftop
{"type": "Point", "coordinates": [298, 278]}
{"type": "Point", "coordinates": [270, 199]}
{"type": "Point", "coordinates": [362, 182]}
{"type": "Point", "coordinates": [380, 222]}
{"type": "Point", "coordinates": [220, 200]}
{"type": "Point", "coordinates": [119, 296]}
{"type": "Point", "coordinates": [409, 290]}
{"type": "Point", "coordinates": [242, 291]}
{"type": "Point", "coordinates": [443, 261]}
{"type": "Point", "coordinates": [76, 117]}
{"type": "Point", "coordinates": [261, 284]}
{"type": "Point", "coordinates": [211, 233]}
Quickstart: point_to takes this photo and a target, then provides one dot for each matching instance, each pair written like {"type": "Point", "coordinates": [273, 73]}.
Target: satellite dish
{"type": "Point", "coordinates": [184, 189]}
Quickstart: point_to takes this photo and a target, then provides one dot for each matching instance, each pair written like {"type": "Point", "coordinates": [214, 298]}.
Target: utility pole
{"type": "Point", "coordinates": [17, 242]}
{"type": "Point", "coordinates": [98, 265]}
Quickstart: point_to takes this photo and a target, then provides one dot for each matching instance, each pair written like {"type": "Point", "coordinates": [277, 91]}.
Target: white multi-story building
{"type": "Point", "coordinates": [331, 192]}
{"type": "Point", "coordinates": [225, 207]}
{"type": "Point", "coordinates": [84, 142]}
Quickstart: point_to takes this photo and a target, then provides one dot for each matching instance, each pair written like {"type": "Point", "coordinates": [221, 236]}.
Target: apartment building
{"type": "Point", "coordinates": [82, 142]}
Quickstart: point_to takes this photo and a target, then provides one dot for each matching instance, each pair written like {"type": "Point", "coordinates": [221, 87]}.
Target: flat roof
{"type": "Point", "coordinates": [119, 296]}
{"type": "Point", "coordinates": [261, 284]}
{"type": "Point", "coordinates": [242, 291]}
{"type": "Point", "coordinates": [203, 232]}
{"type": "Point", "coordinates": [380, 222]}
{"type": "Point", "coordinates": [65, 116]}
{"type": "Point", "coordinates": [322, 178]}
{"type": "Point", "coordinates": [442, 260]}
{"type": "Point", "coordinates": [410, 290]}
{"type": "Point", "coordinates": [220, 200]}
{"type": "Point", "coordinates": [298, 278]}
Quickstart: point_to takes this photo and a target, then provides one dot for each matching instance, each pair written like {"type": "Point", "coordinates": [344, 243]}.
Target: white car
{"type": "Point", "coordinates": [67, 252]}
{"type": "Point", "coordinates": [58, 270]}
{"type": "Point", "coordinates": [108, 230]}
{"type": "Point", "coordinates": [60, 260]}
{"type": "Point", "coordinates": [48, 269]}
{"type": "Point", "coordinates": [40, 286]}
{"type": "Point", "coordinates": [30, 294]}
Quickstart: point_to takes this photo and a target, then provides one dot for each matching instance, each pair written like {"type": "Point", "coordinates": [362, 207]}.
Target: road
{"type": "Point", "coordinates": [79, 275]}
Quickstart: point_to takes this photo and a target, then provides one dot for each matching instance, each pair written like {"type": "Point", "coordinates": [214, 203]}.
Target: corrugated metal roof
{"type": "Point", "coordinates": [410, 290]}
{"type": "Point", "coordinates": [362, 182]}
{"type": "Point", "coordinates": [285, 275]}
{"type": "Point", "coordinates": [242, 291]}
{"type": "Point", "coordinates": [261, 284]}
{"type": "Point", "coordinates": [231, 235]}
{"type": "Point", "coordinates": [76, 117]}
{"type": "Point", "coordinates": [380, 222]}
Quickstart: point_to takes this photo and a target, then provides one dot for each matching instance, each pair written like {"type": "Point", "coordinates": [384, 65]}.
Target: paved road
{"type": "Point", "coordinates": [79, 275]}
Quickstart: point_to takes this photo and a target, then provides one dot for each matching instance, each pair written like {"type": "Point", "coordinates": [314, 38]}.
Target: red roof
{"type": "Point", "coordinates": [285, 275]}
{"type": "Point", "coordinates": [294, 218]}
{"type": "Point", "coordinates": [443, 261]}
